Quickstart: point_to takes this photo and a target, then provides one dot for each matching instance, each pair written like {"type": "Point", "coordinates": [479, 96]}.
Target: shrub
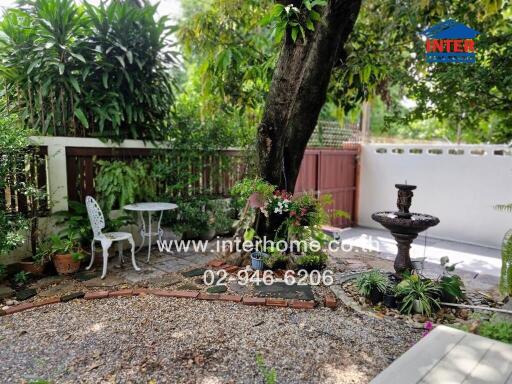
{"type": "Point", "coordinates": [451, 288]}
{"type": "Point", "coordinates": [373, 280]}
{"type": "Point", "coordinates": [501, 331]}
{"type": "Point", "coordinates": [418, 294]}
{"type": "Point", "coordinates": [312, 260]}
{"type": "Point", "coordinates": [82, 70]}
{"type": "Point", "coordinates": [275, 259]}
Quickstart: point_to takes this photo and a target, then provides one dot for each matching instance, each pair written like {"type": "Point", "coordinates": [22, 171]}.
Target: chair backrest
{"type": "Point", "coordinates": [95, 215]}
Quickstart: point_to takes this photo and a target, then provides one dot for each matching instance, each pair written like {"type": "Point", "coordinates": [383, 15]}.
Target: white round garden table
{"type": "Point", "coordinates": [146, 230]}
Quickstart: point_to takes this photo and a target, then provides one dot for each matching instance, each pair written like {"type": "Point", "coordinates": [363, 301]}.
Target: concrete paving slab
{"type": "Point", "coordinates": [282, 290]}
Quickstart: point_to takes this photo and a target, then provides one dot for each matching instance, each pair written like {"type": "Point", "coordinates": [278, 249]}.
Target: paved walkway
{"type": "Point", "coordinates": [448, 355]}
{"type": "Point", "coordinates": [481, 264]}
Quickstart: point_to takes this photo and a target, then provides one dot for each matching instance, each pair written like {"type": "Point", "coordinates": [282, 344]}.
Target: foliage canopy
{"type": "Point", "coordinates": [82, 70]}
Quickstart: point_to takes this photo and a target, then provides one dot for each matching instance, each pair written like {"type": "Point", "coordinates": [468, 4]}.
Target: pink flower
{"type": "Point", "coordinates": [428, 326]}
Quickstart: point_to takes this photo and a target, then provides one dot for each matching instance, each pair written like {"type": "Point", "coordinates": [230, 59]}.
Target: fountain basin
{"type": "Point", "coordinates": [416, 223]}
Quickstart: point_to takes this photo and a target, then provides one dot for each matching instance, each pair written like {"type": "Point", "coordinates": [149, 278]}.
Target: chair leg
{"type": "Point", "coordinates": [132, 243]}
{"type": "Point", "coordinates": [105, 244]}
{"type": "Point", "coordinates": [92, 256]}
{"type": "Point", "coordinates": [120, 251]}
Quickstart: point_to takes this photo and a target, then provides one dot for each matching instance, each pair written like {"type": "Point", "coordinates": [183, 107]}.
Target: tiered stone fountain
{"type": "Point", "coordinates": [404, 226]}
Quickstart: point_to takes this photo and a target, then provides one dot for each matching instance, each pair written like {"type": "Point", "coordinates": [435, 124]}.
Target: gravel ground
{"type": "Point", "coordinates": [150, 339]}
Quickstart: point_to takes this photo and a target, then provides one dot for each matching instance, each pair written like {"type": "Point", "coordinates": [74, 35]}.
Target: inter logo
{"type": "Point", "coordinates": [450, 42]}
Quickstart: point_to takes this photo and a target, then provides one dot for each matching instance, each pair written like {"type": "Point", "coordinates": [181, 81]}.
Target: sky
{"type": "Point", "coordinates": [172, 8]}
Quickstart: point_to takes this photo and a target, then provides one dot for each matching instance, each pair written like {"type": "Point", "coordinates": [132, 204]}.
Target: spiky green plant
{"type": "Point", "coordinates": [505, 285]}
{"type": "Point", "coordinates": [506, 264]}
{"type": "Point", "coordinates": [415, 289]}
{"type": "Point", "coordinates": [369, 281]}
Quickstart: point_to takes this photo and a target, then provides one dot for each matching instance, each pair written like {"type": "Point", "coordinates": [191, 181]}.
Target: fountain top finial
{"type": "Point", "coordinates": [405, 187]}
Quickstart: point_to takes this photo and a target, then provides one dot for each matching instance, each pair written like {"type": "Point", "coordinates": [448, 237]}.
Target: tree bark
{"type": "Point", "coordinates": [298, 92]}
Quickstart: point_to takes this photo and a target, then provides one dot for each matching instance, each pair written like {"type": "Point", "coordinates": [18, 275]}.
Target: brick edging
{"type": "Point", "coordinates": [330, 301]}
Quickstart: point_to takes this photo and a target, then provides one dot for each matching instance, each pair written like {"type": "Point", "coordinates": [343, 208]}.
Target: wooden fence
{"type": "Point", "coordinates": [67, 167]}
{"type": "Point", "coordinates": [217, 171]}
{"type": "Point", "coordinates": [334, 172]}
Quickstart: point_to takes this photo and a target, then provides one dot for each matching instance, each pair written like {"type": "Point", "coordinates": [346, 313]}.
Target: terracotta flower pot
{"type": "Point", "coordinates": [35, 269]}
{"type": "Point", "coordinates": [65, 265]}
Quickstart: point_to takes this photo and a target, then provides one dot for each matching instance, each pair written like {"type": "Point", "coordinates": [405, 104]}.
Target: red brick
{"type": "Point", "coordinates": [141, 291]}
{"type": "Point", "coordinates": [302, 304]}
{"type": "Point", "coordinates": [51, 300]}
{"type": "Point", "coordinates": [19, 308]}
{"type": "Point", "coordinates": [254, 301]}
{"type": "Point", "coordinates": [184, 294]}
{"type": "Point", "coordinates": [161, 292]}
{"type": "Point", "coordinates": [234, 298]}
{"type": "Point", "coordinates": [215, 263]}
{"type": "Point", "coordinates": [276, 303]}
{"type": "Point", "coordinates": [121, 292]}
{"type": "Point", "coordinates": [230, 268]}
{"type": "Point", "coordinates": [208, 296]}
{"type": "Point", "coordinates": [96, 295]}
{"type": "Point", "coordinates": [330, 302]}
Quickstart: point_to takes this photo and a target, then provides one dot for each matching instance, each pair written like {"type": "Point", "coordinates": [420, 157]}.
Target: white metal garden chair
{"type": "Point", "coordinates": [106, 239]}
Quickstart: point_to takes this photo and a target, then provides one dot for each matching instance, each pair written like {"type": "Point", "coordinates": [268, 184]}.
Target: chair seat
{"type": "Point", "coordinates": [114, 236]}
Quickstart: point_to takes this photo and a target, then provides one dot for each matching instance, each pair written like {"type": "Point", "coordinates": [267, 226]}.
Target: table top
{"type": "Point", "coordinates": [150, 207]}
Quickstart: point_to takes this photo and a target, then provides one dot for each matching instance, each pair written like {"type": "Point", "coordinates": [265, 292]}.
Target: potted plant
{"type": "Point", "coordinates": [37, 263]}
{"type": "Point", "coordinates": [389, 298]}
{"type": "Point", "coordinates": [257, 256]}
{"type": "Point", "coordinates": [418, 295]}
{"type": "Point", "coordinates": [372, 285]}
{"type": "Point", "coordinates": [66, 254]}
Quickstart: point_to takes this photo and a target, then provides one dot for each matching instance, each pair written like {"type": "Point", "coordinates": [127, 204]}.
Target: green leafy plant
{"type": "Point", "coordinates": [220, 215]}
{"type": "Point", "coordinates": [191, 218]}
{"type": "Point", "coordinates": [84, 70]}
{"type": "Point", "coordinates": [418, 294]}
{"type": "Point", "coordinates": [21, 278]}
{"type": "Point", "coordinates": [119, 183]}
{"type": "Point", "coordinates": [505, 284]}
{"type": "Point", "coordinates": [269, 375]}
{"type": "Point", "coordinates": [275, 259]}
{"type": "Point", "coordinates": [295, 19]}
{"type": "Point", "coordinates": [501, 331]}
{"type": "Point", "coordinates": [69, 244]}
{"type": "Point", "coordinates": [312, 260]}
{"type": "Point", "coordinates": [246, 187]}
{"type": "Point", "coordinates": [370, 281]}
{"type": "Point", "coordinates": [451, 288]}
{"type": "Point", "coordinates": [43, 252]}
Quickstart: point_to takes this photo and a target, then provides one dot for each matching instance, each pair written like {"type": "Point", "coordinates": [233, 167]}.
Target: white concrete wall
{"type": "Point", "coordinates": [459, 189]}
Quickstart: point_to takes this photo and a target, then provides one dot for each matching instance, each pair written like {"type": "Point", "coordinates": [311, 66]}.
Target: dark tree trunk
{"type": "Point", "coordinates": [297, 94]}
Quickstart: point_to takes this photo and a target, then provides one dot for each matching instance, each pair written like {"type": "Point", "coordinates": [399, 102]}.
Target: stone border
{"type": "Point", "coordinates": [329, 302]}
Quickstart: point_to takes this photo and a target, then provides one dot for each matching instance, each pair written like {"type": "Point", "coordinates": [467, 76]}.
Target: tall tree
{"type": "Point", "coordinates": [300, 83]}
{"type": "Point", "coordinates": [299, 89]}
